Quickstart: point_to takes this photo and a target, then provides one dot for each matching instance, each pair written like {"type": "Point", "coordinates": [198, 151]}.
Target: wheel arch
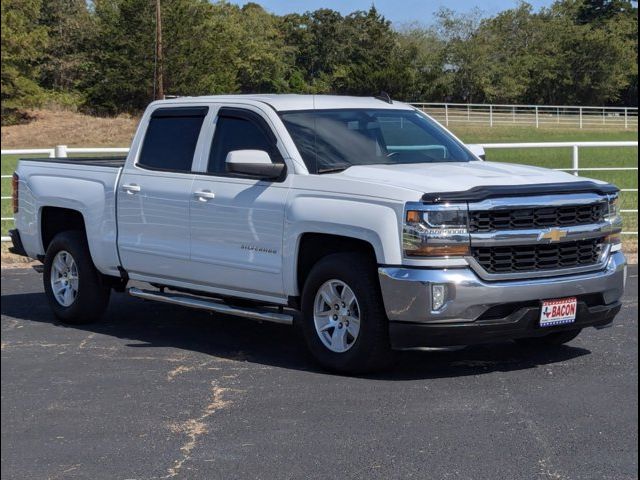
{"type": "Point", "coordinates": [314, 246]}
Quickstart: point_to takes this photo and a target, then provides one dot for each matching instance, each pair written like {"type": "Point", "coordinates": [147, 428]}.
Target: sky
{"type": "Point", "coordinates": [398, 11]}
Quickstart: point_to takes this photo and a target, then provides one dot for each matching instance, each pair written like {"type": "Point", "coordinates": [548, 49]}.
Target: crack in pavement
{"type": "Point", "coordinates": [194, 428]}
{"type": "Point", "coordinates": [83, 343]}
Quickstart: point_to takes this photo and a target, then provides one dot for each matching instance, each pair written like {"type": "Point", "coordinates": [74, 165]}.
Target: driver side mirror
{"type": "Point", "coordinates": [255, 163]}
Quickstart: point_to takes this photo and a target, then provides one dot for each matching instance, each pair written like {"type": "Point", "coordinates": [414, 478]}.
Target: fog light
{"type": "Point", "coordinates": [438, 296]}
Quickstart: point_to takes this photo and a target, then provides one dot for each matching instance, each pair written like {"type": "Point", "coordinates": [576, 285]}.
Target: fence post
{"type": "Point", "coordinates": [580, 117]}
{"type": "Point", "coordinates": [491, 115]}
{"type": "Point", "coordinates": [60, 151]}
{"type": "Point", "coordinates": [576, 161]}
{"type": "Point", "coordinates": [468, 112]}
{"type": "Point", "coordinates": [626, 119]}
{"type": "Point", "coordinates": [446, 114]}
{"type": "Point", "coordinates": [537, 118]}
{"type": "Point", "coordinates": [603, 116]}
{"type": "Point", "coordinates": [558, 115]}
{"type": "Point", "coordinates": [513, 114]}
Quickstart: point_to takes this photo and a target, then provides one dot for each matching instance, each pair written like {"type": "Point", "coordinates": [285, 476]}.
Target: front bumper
{"type": "Point", "coordinates": [479, 311]}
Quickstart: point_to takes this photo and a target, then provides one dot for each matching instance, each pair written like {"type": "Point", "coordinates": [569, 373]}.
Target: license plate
{"type": "Point", "coordinates": [558, 312]}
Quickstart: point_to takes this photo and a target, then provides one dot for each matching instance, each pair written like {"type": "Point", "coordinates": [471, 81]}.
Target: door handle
{"type": "Point", "coordinates": [131, 188]}
{"type": "Point", "coordinates": [204, 195]}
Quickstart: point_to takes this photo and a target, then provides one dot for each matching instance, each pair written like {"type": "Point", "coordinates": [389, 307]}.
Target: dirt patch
{"type": "Point", "coordinates": [50, 128]}
{"type": "Point", "coordinates": [9, 260]}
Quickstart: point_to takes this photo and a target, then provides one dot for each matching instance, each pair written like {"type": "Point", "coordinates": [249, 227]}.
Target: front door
{"type": "Point", "coordinates": [237, 222]}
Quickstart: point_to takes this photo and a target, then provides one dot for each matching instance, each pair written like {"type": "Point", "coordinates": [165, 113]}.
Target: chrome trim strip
{"type": "Point", "coordinates": [211, 306]}
{"type": "Point", "coordinates": [532, 237]}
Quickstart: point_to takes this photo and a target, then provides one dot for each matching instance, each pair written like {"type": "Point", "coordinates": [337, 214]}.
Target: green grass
{"type": "Point", "coordinates": [552, 158]}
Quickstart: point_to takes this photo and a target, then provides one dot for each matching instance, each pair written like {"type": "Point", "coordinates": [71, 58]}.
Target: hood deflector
{"type": "Point", "coordinates": [477, 194]}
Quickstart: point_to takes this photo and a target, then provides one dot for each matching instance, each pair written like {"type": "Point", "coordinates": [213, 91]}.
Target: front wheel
{"type": "Point", "coordinates": [75, 289]}
{"type": "Point", "coordinates": [343, 319]}
{"type": "Point", "coordinates": [551, 339]}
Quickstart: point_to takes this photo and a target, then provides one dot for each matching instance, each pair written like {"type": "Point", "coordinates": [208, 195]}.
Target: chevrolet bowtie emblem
{"type": "Point", "coordinates": [555, 235]}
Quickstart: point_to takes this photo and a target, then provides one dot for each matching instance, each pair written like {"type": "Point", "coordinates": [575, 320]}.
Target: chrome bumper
{"type": "Point", "coordinates": [407, 298]}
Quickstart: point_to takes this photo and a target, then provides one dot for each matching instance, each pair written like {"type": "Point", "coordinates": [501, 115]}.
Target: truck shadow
{"type": "Point", "coordinates": [154, 325]}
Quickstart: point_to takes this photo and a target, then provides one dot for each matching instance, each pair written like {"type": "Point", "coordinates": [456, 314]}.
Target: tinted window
{"type": "Point", "coordinates": [236, 133]}
{"type": "Point", "coordinates": [170, 140]}
{"type": "Point", "coordinates": [330, 140]}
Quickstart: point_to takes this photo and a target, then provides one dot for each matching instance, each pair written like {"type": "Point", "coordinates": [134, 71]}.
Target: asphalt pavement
{"type": "Point", "coordinates": [156, 391]}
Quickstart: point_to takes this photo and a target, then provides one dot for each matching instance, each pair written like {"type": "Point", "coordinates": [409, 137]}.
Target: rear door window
{"type": "Point", "coordinates": [171, 137]}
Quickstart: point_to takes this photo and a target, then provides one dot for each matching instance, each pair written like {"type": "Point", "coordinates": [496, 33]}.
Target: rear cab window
{"type": "Point", "coordinates": [171, 138]}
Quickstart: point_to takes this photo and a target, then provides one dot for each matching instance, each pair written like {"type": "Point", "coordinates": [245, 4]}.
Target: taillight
{"type": "Point", "coordinates": [15, 197]}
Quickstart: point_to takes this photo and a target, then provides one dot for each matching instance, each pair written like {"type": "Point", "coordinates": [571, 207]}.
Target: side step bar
{"type": "Point", "coordinates": [211, 306]}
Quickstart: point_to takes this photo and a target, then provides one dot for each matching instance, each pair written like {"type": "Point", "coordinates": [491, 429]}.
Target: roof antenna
{"type": "Point", "coordinates": [384, 96]}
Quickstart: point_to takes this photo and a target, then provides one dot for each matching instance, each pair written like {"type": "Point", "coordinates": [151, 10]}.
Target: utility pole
{"type": "Point", "coordinates": [159, 86]}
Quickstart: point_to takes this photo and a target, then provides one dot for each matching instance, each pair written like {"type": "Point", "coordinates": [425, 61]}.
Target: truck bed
{"type": "Point", "coordinates": [114, 162]}
{"type": "Point", "coordinates": [86, 185]}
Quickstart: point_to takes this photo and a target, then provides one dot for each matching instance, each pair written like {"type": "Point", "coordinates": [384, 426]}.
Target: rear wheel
{"type": "Point", "coordinates": [343, 319]}
{"type": "Point", "coordinates": [551, 339]}
{"type": "Point", "coordinates": [76, 291]}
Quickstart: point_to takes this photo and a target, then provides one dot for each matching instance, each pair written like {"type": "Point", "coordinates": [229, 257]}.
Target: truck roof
{"type": "Point", "coordinates": [288, 102]}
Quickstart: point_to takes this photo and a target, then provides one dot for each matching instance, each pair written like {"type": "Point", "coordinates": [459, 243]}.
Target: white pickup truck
{"type": "Point", "coordinates": [360, 220]}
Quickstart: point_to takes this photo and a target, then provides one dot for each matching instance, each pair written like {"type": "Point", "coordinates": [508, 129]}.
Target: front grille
{"type": "Point", "coordinates": [532, 258]}
{"type": "Point", "coordinates": [536, 217]}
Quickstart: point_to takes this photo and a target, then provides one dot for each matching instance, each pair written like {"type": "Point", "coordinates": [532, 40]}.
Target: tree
{"type": "Point", "coordinates": [594, 11]}
{"type": "Point", "coordinates": [121, 77]}
{"type": "Point", "coordinates": [66, 60]}
{"type": "Point", "coordinates": [263, 60]}
{"type": "Point", "coordinates": [23, 41]}
{"type": "Point", "coordinates": [369, 54]}
{"type": "Point", "coordinates": [466, 54]}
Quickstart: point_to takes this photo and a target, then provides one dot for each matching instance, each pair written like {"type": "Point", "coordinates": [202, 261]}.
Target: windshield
{"type": "Point", "coordinates": [332, 140]}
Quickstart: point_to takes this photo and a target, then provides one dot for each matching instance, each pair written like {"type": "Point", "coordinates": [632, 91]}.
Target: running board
{"type": "Point", "coordinates": [211, 306]}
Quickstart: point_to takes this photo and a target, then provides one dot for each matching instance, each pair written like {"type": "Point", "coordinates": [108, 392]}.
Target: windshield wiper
{"type": "Point", "coordinates": [333, 169]}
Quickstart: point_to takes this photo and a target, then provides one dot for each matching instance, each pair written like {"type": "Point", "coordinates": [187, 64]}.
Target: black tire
{"type": "Point", "coordinates": [371, 349]}
{"type": "Point", "coordinates": [93, 292]}
{"type": "Point", "coordinates": [550, 340]}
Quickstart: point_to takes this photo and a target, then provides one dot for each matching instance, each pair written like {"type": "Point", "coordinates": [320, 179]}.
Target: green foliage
{"type": "Point", "coordinates": [23, 41]}
{"type": "Point", "coordinates": [101, 54]}
{"type": "Point", "coordinates": [66, 60]}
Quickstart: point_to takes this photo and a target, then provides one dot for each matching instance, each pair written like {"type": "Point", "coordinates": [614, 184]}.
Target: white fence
{"type": "Point", "coordinates": [63, 151]}
{"type": "Point", "coordinates": [533, 115]}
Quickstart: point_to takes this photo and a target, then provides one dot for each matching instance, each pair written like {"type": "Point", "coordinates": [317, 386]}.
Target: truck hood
{"type": "Point", "coordinates": [455, 176]}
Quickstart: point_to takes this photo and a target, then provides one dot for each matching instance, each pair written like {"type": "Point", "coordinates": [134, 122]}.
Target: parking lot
{"type": "Point", "coordinates": [156, 391]}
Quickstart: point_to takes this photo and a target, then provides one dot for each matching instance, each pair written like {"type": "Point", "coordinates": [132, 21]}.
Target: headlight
{"type": "Point", "coordinates": [614, 207]}
{"type": "Point", "coordinates": [436, 230]}
{"type": "Point", "coordinates": [615, 219]}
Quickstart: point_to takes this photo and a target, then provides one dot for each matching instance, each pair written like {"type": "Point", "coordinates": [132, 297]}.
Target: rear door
{"type": "Point", "coordinates": [153, 197]}
{"type": "Point", "coordinates": [237, 221]}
